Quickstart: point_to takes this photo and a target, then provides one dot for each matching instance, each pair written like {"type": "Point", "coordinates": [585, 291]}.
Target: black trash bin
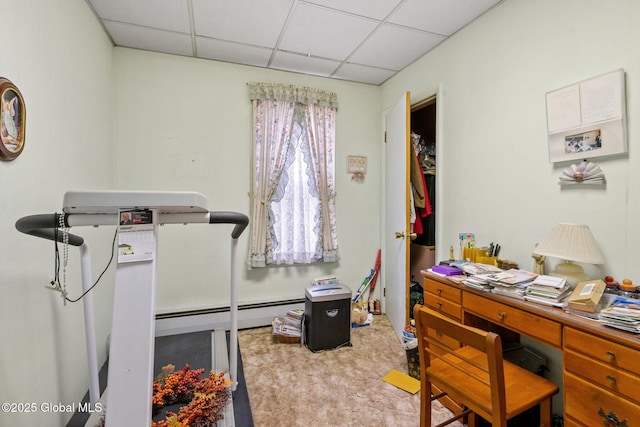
{"type": "Point", "coordinates": [327, 317]}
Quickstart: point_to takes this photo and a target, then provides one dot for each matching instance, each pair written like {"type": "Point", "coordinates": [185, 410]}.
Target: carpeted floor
{"type": "Point", "coordinates": [288, 385]}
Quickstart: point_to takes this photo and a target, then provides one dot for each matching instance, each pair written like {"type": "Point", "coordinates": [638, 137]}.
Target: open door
{"type": "Point", "coordinates": [396, 237]}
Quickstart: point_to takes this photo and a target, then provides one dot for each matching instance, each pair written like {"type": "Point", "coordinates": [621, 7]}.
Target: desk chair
{"type": "Point", "coordinates": [474, 373]}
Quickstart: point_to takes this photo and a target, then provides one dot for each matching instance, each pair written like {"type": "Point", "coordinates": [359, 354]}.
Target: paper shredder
{"type": "Point", "coordinates": [327, 317]}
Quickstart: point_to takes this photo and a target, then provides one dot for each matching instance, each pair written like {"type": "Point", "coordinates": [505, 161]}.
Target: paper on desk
{"type": "Point", "coordinates": [402, 381]}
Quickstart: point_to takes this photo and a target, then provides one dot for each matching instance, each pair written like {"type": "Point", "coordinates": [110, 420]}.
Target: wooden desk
{"type": "Point", "coordinates": [601, 365]}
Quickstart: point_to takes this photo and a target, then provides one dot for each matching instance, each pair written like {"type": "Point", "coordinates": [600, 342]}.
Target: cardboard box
{"type": "Point", "coordinates": [421, 258]}
{"type": "Point", "coordinates": [587, 295]}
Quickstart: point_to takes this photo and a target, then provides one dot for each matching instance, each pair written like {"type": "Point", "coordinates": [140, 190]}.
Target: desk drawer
{"type": "Point", "coordinates": [443, 305]}
{"type": "Point", "coordinates": [521, 321]}
{"type": "Point", "coordinates": [584, 401]}
{"type": "Point", "coordinates": [569, 422]}
{"type": "Point", "coordinates": [610, 353]}
{"type": "Point", "coordinates": [443, 291]}
{"type": "Point", "coordinates": [603, 375]}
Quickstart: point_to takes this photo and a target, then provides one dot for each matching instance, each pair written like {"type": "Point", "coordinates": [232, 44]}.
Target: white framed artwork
{"type": "Point", "coordinates": [587, 119]}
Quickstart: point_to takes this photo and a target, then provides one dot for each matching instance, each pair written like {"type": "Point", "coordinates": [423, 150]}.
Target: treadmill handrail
{"type": "Point", "coordinates": [241, 221]}
{"type": "Point", "coordinates": [44, 225]}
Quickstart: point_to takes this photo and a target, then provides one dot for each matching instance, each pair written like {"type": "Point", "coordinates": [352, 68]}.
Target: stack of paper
{"type": "Point", "coordinates": [290, 325]}
{"type": "Point", "coordinates": [549, 290]}
{"type": "Point", "coordinates": [474, 268]}
{"type": "Point", "coordinates": [478, 282]}
{"type": "Point", "coordinates": [513, 291]}
{"type": "Point", "coordinates": [623, 314]}
{"type": "Point", "coordinates": [516, 276]}
{"type": "Point", "coordinates": [511, 283]}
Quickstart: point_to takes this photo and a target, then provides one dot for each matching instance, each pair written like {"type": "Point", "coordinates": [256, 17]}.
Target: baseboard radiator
{"type": "Point", "coordinates": [249, 316]}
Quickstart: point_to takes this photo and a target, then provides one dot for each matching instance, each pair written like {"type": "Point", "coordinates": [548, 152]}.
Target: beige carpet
{"type": "Point", "coordinates": [289, 385]}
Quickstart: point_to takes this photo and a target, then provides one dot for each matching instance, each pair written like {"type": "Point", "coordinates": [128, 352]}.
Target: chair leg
{"type": "Point", "coordinates": [425, 404]}
{"type": "Point", "coordinates": [472, 420]}
{"type": "Point", "coordinates": [545, 413]}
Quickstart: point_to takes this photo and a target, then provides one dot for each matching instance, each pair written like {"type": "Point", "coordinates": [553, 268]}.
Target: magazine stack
{"type": "Point", "coordinates": [289, 327]}
{"type": "Point", "coordinates": [623, 314]}
{"type": "Point", "coordinates": [549, 290]}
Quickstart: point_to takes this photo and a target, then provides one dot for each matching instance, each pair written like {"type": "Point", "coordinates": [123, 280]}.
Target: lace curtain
{"type": "Point", "coordinates": [294, 133]}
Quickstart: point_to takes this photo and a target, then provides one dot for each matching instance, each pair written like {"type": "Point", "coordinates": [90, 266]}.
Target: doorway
{"type": "Point", "coordinates": [423, 246]}
{"type": "Point", "coordinates": [397, 236]}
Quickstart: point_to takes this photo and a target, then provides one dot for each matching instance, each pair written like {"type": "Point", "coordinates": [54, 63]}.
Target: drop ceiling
{"type": "Point", "coordinates": [364, 41]}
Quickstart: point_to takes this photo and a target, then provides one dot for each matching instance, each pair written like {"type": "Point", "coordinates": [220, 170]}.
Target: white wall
{"type": "Point", "coordinates": [60, 59]}
{"type": "Point", "coordinates": [185, 124]}
{"type": "Point", "coordinates": [494, 176]}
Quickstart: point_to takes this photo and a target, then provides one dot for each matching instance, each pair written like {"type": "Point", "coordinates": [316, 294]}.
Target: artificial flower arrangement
{"type": "Point", "coordinates": [204, 398]}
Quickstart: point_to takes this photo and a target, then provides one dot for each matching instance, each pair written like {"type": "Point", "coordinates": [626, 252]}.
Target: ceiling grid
{"type": "Point", "coordinates": [365, 41]}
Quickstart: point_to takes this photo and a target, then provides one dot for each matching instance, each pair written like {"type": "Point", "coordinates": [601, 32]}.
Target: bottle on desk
{"type": "Point", "coordinates": [628, 289]}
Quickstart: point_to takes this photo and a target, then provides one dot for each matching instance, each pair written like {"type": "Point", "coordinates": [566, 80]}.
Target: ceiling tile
{"type": "Point", "coordinates": [363, 74]}
{"type": "Point", "coordinates": [232, 52]}
{"type": "Point", "coordinates": [247, 21]}
{"type": "Point", "coordinates": [170, 15]}
{"type": "Point", "coordinates": [439, 16]}
{"type": "Point", "coordinates": [325, 33]}
{"type": "Point", "coordinates": [149, 38]}
{"type": "Point", "coordinates": [376, 9]}
{"type": "Point", "coordinates": [303, 64]}
{"type": "Point", "coordinates": [356, 40]}
{"type": "Point", "coordinates": [394, 47]}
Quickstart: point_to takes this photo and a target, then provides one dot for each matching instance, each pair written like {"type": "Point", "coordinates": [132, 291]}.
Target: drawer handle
{"type": "Point", "coordinates": [502, 315]}
{"type": "Point", "coordinates": [611, 419]}
{"type": "Point", "coordinates": [439, 291]}
{"type": "Point", "coordinates": [611, 355]}
{"type": "Point", "coordinates": [611, 380]}
{"type": "Point", "coordinates": [439, 304]}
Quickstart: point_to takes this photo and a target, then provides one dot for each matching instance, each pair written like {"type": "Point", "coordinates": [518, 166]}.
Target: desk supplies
{"type": "Point", "coordinates": [467, 241]}
{"type": "Point", "coordinates": [549, 290]}
{"type": "Point", "coordinates": [587, 296]}
{"type": "Point", "coordinates": [446, 270]}
{"type": "Point", "coordinates": [623, 314]}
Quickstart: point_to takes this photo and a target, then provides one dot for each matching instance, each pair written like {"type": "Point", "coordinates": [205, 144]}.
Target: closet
{"type": "Point", "coordinates": [423, 218]}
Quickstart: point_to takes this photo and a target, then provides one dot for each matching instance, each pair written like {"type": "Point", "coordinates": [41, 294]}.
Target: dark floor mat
{"type": "Point", "coordinates": [194, 349]}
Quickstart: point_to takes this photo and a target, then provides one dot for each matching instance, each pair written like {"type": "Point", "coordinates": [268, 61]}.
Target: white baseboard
{"type": "Point", "coordinates": [250, 316]}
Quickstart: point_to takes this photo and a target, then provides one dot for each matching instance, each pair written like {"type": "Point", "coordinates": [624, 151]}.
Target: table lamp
{"type": "Point", "coordinates": [572, 243]}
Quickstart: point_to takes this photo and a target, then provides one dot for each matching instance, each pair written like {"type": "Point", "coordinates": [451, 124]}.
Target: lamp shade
{"type": "Point", "coordinates": [571, 242]}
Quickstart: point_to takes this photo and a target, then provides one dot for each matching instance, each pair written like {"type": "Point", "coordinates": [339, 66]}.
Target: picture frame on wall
{"type": "Point", "coordinates": [13, 120]}
{"type": "Point", "coordinates": [587, 119]}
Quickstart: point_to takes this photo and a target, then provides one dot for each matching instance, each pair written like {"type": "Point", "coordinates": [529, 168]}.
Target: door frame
{"type": "Point", "coordinates": [442, 250]}
{"type": "Point", "coordinates": [415, 100]}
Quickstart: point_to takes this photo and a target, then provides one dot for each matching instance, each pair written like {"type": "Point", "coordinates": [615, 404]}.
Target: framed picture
{"type": "Point", "coordinates": [587, 119]}
{"type": "Point", "coordinates": [12, 125]}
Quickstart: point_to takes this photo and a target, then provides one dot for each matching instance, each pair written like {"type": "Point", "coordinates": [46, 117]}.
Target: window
{"type": "Point", "coordinates": [293, 168]}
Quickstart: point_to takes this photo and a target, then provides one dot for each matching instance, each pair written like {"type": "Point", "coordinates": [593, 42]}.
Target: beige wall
{"type": "Point", "coordinates": [58, 56]}
{"type": "Point", "coordinates": [494, 176]}
{"type": "Point", "coordinates": [99, 116]}
{"type": "Point", "coordinates": [185, 124]}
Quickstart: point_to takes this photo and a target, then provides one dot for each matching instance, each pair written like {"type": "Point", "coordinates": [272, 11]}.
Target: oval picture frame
{"type": "Point", "coordinates": [12, 121]}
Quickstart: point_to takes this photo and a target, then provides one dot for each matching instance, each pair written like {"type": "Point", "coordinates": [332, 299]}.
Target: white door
{"type": "Point", "coordinates": [396, 224]}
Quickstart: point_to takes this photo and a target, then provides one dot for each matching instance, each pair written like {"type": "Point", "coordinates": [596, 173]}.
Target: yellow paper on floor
{"type": "Point", "coordinates": [402, 381]}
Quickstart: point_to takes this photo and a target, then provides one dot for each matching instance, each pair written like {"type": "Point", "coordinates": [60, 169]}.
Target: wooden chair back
{"type": "Point", "coordinates": [472, 372]}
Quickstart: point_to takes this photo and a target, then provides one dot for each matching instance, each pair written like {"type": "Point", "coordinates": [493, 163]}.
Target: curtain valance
{"type": "Point", "coordinates": [293, 93]}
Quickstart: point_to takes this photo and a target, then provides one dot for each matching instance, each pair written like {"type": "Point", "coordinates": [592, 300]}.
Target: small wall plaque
{"type": "Point", "coordinates": [13, 120]}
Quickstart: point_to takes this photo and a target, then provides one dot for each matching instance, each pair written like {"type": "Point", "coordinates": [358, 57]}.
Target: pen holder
{"type": "Point", "coordinates": [472, 254]}
{"type": "Point", "coordinates": [491, 260]}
